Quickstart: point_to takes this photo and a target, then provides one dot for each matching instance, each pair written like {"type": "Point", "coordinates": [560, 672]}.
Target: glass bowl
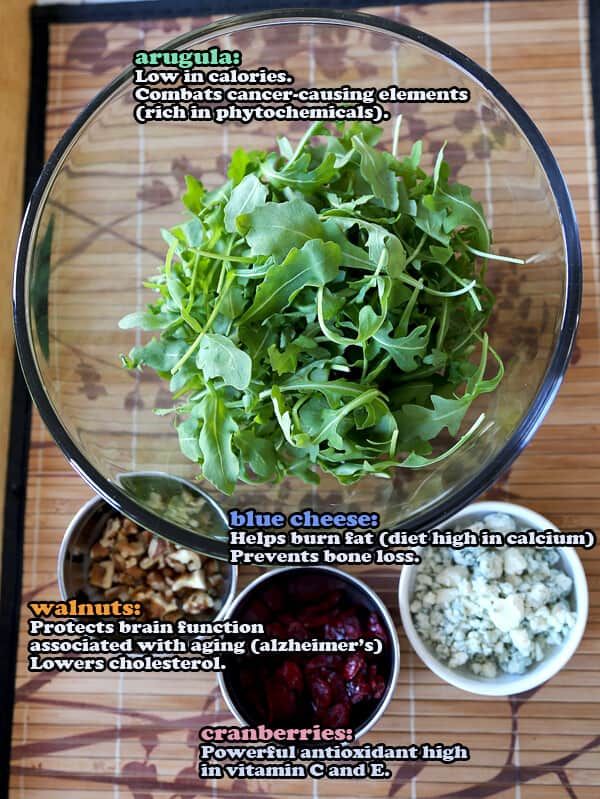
{"type": "Point", "coordinates": [91, 235]}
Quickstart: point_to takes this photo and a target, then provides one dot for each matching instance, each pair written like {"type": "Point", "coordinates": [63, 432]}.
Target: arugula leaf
{"type": "Point", "coordinates": [298, 174]}
{"type": "Point", "coordinates": [287, 361]}
{"type": "Point", "coordinates": [427, 423]}
{"type": "Point", "coordinates": [242, 163]}
{"type": "Point", "coordinates": [158, 355]}
{"type": "Point", "coordinates": [378, 239]}
{"type": "Point", "coordinates": [220, 465]}
{"type": "Point", "coordinates": [374, 167]}
{"type": "Point", "coordinates": [189, 435]}
{"type": "Point", "coordinates": [314, 265]}
{"type": "Point", "coordinates": [259, 455]}
{"type": "Point", "coordinates": [406, 349]}
{"type": "Point", "coordinates": [146, 320]}
{"type": "Point", "coordinates": [219, 357]}
{"type": "Point", "coordinates": [275, 228]}
{"type": "Point", "coordinates": [245, 197]}
{"type": "Point", "coordinates": [192, 198]}
{"type": "Point", "coordinates": [430, 218]}
{"type": "Point", "coordinates": [464, 212]}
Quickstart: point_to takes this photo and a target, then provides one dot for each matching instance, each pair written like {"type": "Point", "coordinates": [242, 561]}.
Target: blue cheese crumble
{"type": "Point", "coordinates": [491, 609]}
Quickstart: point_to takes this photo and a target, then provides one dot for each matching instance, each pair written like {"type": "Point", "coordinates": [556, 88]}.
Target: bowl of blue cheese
{"type": "Point", "coordinates": [495, 620]}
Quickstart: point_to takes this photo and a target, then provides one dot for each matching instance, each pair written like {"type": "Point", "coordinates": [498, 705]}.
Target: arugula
{"type": "Point", "coordinates": [315, 264]}
{"type": "Point", "coordinates": [249, 194]}
{"type": "Point", "coordinates": [219, 357]}
{"type": "Point", "coordinates": [323, 310]}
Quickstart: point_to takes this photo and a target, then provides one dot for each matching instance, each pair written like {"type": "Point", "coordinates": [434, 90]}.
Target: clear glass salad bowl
{"type": "Point", "coordinates": [91, 236]}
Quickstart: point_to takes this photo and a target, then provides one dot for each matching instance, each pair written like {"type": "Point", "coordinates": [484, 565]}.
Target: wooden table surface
{"type": "Point", "coordinates": [14, 83]}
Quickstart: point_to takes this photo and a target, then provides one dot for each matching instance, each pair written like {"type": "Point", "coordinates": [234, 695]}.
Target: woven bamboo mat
{"type": "Point", "coordinates": [100, 736]}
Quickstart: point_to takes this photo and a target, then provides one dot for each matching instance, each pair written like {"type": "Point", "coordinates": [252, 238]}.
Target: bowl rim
{"type": "Point", "coordinates": [548, 667]}
{"type": "Point", "coordinates": [83, 515]}
{"type": "Point", "coordinates": [362, 586]}
{"type": "Point", "coordinates": [539, 406]}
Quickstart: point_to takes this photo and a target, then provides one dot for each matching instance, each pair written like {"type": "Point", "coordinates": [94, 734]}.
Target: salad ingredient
{"type": "Point", "coordinates": [322, 310]}
{"type": "Point", "coordinates": [335, 690]}
{"type": "Point", "coordinates": [492, 610]}
{"type": "Point", "coordinates": [170, 582]}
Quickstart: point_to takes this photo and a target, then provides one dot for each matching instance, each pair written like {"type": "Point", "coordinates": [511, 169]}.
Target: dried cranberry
{"type": "Point", "coordinates": [291, 675]}
{"type": "Point", "coordinates": [334, 631]}
{"type": "Point", "coordinates": [315, 664]}
{"type": "Point", "coordinates": [354, 665]}
{"type": "Point", "coordinates": [337, 715]}
{"type": "Point", "coordinates": [323, 663]}
{"type": "Point", "coordinates": [256, 704]}
{"type": "Point", "coordinates": [375, 627]}
{"type": "Point", "coordinates": [274, 598]}
{"type": "Point", "coordinates": [320, 692]}
{"type": "Point", "coordinates": [351, 626]}
{"type": "Point", "coordinates": [256, 697]}
{"type": "Point", "coordinates": [324, 608]}
{"type": "Point", "coordinates": [358, 690]}
{"type": "Point", "coordinates": [276, 630]}
{"type": "Point", "coordinates": [377, 686]}
{"type": "Point", "coordinates": [337, 687]}
{"type": "Point", "coordinates": [314, 621]}
{"type": "Point", "coordinates": [297, 631]}
{"type": "Point", "coordinates": [257, 612]}
{"type": "Point", "coordinates": [306, 591]}
{"type": "Point", "coordinates": [282, 702]}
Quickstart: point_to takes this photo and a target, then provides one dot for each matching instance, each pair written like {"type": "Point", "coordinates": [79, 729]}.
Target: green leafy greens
{"type": "Point", "coordinates": [324, 309]}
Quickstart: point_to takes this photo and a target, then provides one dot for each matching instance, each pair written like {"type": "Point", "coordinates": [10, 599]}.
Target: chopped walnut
{"type": "Point", "coordinates": [101, 574]}
{"type": "Point", "coordinates": [99, 551]}
{"type": "Point", "coordinates": [110, 532]}
{"type": "Point", "coordinates": [117, 592]}
{"type": "Point", "coordinates": [155, 580]}
{"type": "Point", "coordinates": [157, 607]}
{"type": "Point", "coordinates": [197, 602]}
{"type": "Point", "coordinates": [119, 561]}
{"type": "Point", "coordinates": [215, 580]}
{"type": "Point", "coordinates": [129, 546]}
{"type": "Point", "coordinates": [180, 568]}
{"type": "Point", "coordinates": [185, 557]}
{"type": "Point", "coordinates": [173, 615]}
{"type": "Point", "coordinates": [212, 567]}
{"type": "Point", "coordinates": [170, 582]}
{"type": "Point", "coordinates": [130, 527]}
{"type": "Point", "coordinates": [193, 580]}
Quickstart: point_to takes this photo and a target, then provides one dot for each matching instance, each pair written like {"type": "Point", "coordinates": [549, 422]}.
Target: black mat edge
{"type": "Point", "coordinates": [20, 426]}
{"type": "Point", "coordinates": [167, 9]}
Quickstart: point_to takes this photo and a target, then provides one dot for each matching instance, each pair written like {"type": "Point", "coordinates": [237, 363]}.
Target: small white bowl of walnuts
{"type": "Point", "coordinates": [105, 557]}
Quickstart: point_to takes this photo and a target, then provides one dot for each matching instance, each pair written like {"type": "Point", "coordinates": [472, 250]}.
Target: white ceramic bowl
{"type": "Point", "coordinates": [503, 684]}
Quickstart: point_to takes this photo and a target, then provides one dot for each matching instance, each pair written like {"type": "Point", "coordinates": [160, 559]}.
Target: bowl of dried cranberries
{"type": "Point", "coordinates": [329, 654]}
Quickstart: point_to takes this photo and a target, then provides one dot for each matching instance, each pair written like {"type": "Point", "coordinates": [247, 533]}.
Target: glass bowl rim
{"type": "Point", "coordinates": [555, 370]}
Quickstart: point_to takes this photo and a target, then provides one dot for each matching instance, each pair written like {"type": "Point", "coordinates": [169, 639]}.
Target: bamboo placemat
{"type": "Point", "coordinates": [100, 736]}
